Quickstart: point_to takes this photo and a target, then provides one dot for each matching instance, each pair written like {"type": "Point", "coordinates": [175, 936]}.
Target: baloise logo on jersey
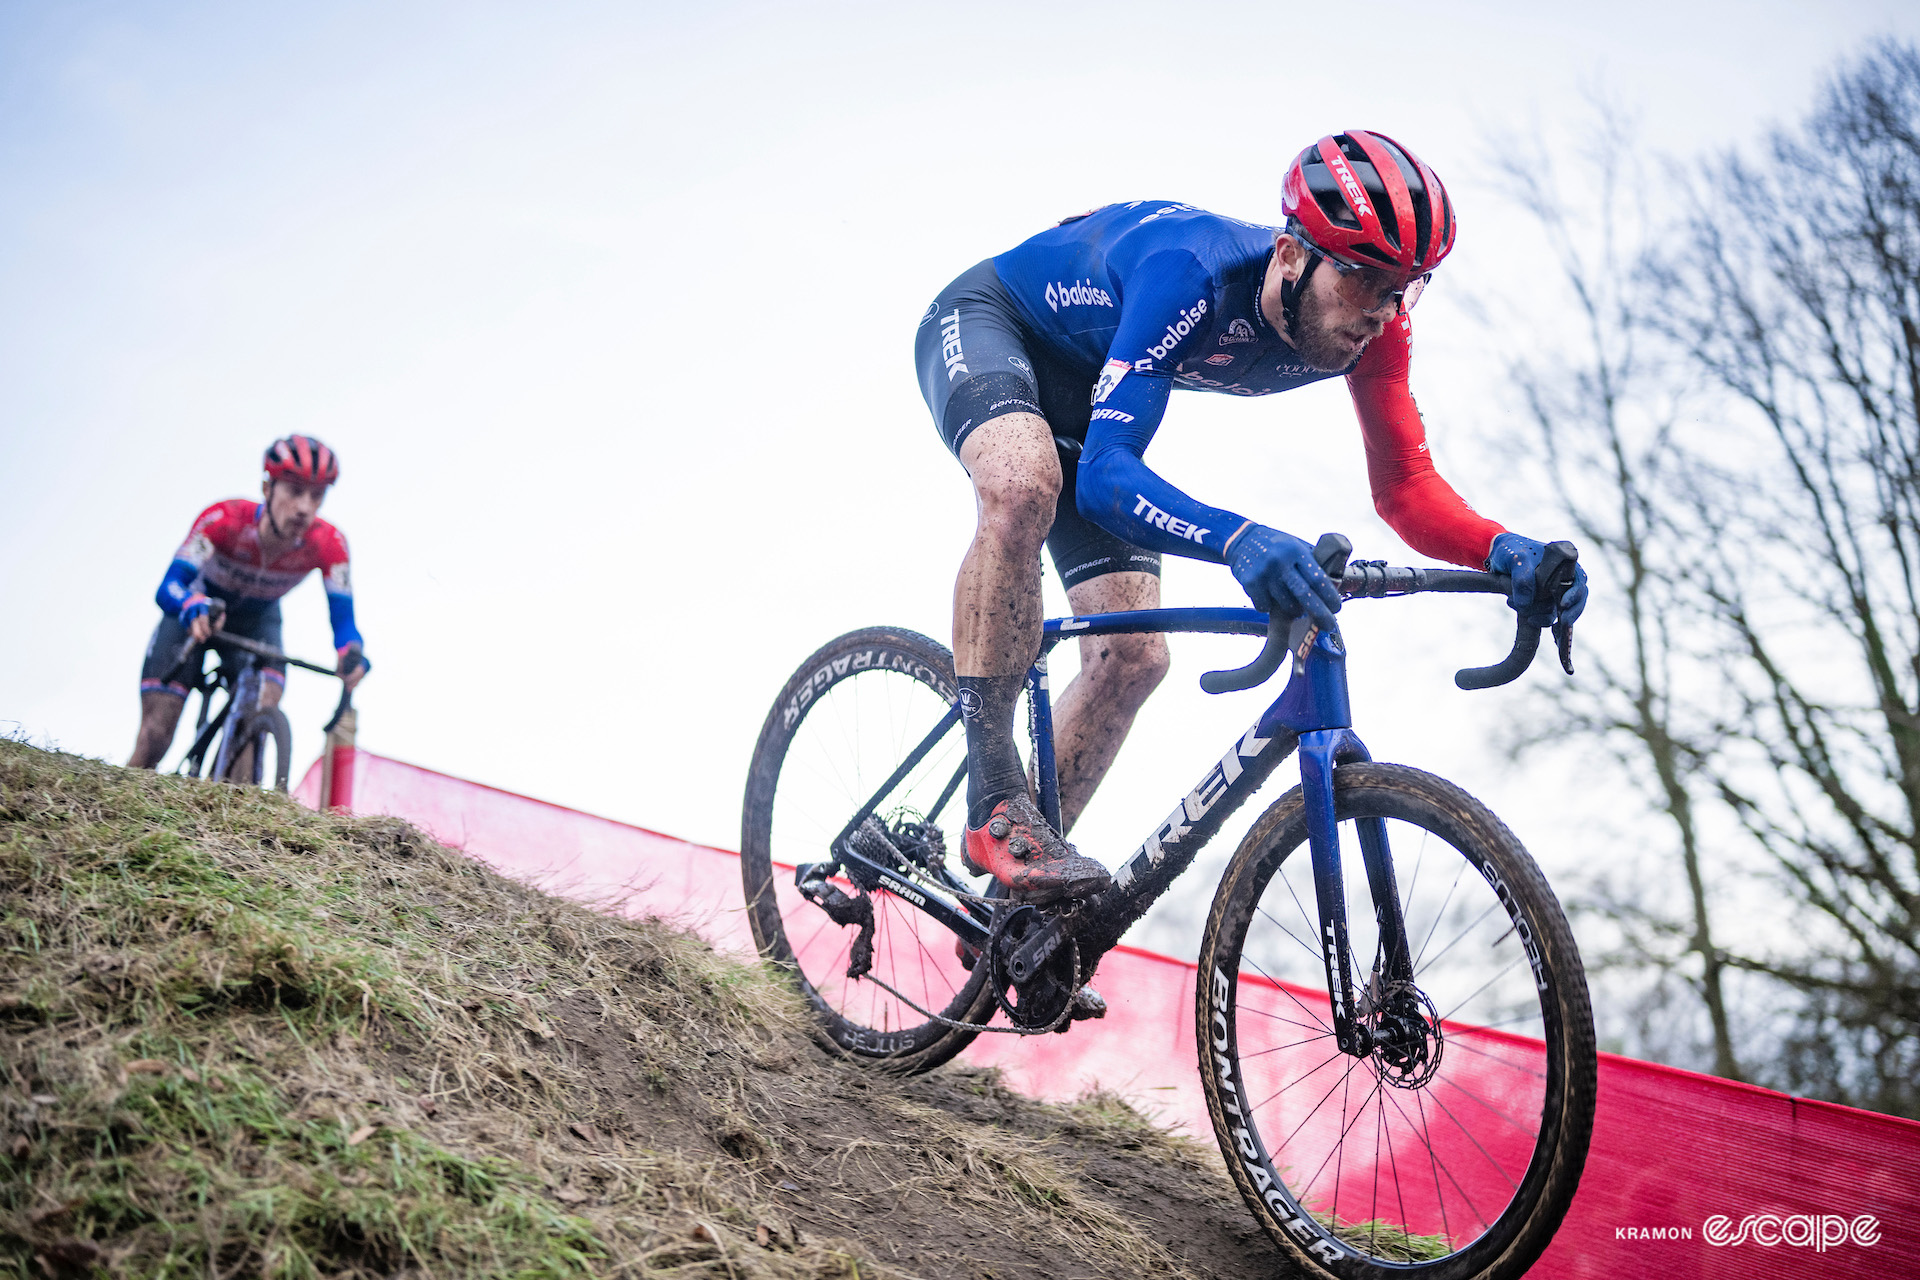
{"type": "Point", "coordinates": [1081, 293]}
{"type": "Point", "coordinates": [1189, 321]}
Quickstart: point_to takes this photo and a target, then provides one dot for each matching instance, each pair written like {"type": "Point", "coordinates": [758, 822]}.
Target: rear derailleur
{"type": "Point", "coordinates": [842, 908]}
{"type": "Point", "coordinates": [903, 844]}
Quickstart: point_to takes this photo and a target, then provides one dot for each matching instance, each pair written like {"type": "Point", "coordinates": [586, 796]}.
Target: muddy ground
{"type": "Point", "coordinates": [238, 1038]}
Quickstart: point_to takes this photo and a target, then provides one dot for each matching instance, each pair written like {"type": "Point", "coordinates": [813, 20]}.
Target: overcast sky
{"type": "Point", "coordinates": [608, 309]}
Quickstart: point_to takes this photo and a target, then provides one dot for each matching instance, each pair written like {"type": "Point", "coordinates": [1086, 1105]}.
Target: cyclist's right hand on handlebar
{"type": "Point", "coordinates": [198, 617]}
{"type": "Point", "coordinates": [1281, 576]}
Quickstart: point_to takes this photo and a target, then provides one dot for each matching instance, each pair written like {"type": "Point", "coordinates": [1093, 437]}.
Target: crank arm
{"type": "Point", "coordinates": [1035, 951]}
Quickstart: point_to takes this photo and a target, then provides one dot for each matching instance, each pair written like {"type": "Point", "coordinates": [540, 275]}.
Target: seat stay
{"type": "Point", "coordinates": [841, 844]}
{"type": "Point", "coordinates": [1040, 729]}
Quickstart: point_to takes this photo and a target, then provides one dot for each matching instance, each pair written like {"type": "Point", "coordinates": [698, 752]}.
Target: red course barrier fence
{"type": "Point", "coordinates": [1689, 1176]}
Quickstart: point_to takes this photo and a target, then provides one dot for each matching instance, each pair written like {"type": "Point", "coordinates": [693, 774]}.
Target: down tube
{"type": "Point", "coordinates": [1170, 850]}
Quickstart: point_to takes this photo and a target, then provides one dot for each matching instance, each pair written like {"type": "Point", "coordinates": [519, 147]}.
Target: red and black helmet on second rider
{"type": "Point", "coordinates": [301, 458]}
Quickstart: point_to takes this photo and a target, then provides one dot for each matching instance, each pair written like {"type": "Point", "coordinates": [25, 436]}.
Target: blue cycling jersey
{"type": "Point", "coordinates": [1144, 297]}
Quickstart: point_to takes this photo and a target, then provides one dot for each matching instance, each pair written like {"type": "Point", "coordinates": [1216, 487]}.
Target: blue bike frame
{"type": "Point", "coordinates": [1313, 713]}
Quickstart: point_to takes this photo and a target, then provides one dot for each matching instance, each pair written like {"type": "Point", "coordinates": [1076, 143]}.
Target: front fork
{"type": "Point", "coordinates": [1321, 751]}
{"type": "Point", "coordinates": [244, 698]}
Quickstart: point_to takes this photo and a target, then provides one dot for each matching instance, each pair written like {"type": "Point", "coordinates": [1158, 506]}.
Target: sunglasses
{"type": "Point", "coordinates": [1371, 289]}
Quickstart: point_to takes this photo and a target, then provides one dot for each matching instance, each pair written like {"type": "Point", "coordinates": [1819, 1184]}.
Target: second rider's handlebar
{"type": "Point", "coordinates": [1373, 579]}
{"type": "Point", "coordinates": [221, 640]}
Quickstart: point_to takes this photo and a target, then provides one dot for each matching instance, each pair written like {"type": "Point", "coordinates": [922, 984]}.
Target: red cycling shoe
{"type": "Point", "coordinates": [1021, 851]}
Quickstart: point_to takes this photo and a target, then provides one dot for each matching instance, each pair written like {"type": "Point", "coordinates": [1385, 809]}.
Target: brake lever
{"type": "Point", "coordinates": [1563, 642]}
{"type": "Point", "coordinates": [1331, 551]}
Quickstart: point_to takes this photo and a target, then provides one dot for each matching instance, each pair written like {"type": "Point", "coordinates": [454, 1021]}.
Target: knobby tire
{"type": "Point", "coordinates": [1354, 1175]}
{"type": "Point", "coordinates": [265, 724]}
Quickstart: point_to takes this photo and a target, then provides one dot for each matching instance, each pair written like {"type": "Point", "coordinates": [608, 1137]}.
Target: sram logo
{"type": "Point", "coordinates": [900, 887]}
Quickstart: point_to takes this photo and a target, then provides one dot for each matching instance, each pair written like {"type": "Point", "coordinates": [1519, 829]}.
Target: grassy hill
{"type": "Point", "coordinates": [241, 1039]}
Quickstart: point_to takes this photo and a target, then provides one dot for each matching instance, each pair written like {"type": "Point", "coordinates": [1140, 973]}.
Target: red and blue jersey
{"type": "Point", "coordinates": [222, 558]}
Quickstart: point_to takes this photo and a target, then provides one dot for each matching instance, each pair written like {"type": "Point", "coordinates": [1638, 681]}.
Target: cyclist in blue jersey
{"type": "Point", "coordinates": [1047, 370]}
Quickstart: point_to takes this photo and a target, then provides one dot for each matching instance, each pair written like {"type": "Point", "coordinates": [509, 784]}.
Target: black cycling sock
{"type": "Point", "coordinates": [993, 766]}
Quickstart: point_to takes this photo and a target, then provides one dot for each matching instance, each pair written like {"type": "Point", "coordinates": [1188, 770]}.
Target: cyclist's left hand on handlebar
{"type": "Point", "coordinates": [353, 666]}
{"type": "Point", "coordinates": [1281, 576]}
{"type": "Point", "coordinates": [1520, 557]}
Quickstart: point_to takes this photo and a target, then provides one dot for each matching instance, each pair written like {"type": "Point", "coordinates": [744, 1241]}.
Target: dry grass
{"type": "Point", "coordinates": [239, 1038]}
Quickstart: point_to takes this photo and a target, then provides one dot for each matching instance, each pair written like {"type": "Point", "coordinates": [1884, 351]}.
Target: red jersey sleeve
{"type": "Point", "coordinates": [1407, 492]}
{"type": "Point", "coordinates": [329, 549]}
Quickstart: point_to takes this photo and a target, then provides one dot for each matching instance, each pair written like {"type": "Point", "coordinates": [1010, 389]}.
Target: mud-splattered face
{"type": "Point", "coordinates": [1333, 332]}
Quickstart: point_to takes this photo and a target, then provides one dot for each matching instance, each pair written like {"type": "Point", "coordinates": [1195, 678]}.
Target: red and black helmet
{"type": "Point", "coordinates": [1366, 201]}
{"type": "Point", "coordinates": [302, 458]}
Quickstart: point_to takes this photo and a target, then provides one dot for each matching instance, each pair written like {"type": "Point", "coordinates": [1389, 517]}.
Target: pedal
{"type": "Point", "coordinates": [1087, 1004]}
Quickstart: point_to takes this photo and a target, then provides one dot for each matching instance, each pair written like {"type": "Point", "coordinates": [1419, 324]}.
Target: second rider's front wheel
{"type": "Point", "coordinates": [1450, 1144]}
{"type": "Point", "coordinates": [266, 733]}
{"type": "Point", "coordinates": [837, 742]}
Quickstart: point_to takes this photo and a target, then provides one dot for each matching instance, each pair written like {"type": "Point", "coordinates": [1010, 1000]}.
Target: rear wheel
{"type": "Point", "coordinates": [1453, 1146]}
{"type": "Point", "coordinates": [842, 726]}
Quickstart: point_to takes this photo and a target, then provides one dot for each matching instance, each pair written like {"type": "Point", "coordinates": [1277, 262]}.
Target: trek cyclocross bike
{"type": "Point", "coordinates": [1406, 1089]}
{"type": "Point", "coordinates": [241, 751]}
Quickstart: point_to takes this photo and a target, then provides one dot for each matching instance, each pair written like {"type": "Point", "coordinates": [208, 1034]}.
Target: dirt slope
{"type": "Point", "coordinates": [237, 1038]}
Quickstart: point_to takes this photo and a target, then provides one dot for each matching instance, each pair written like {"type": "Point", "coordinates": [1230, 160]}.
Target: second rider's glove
{"type": "Point", "coordinates": [197, 606]}
{"type": "Point", "coordinates": [1281, 576]}
{"type": "Point", "coordinates": [350, 656]}
{"type": "Point", "coordinates": [1519, 558]}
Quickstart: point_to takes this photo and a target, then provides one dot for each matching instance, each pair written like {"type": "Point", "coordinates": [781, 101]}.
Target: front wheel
{"type": "Point", "coordinates": [266, 728]}
{"type": "Point", "coordinates": [1452, 1148]}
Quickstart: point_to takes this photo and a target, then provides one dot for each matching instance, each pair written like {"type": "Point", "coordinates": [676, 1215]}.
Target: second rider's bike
{"type": "Point", "coordinates": [1391, 1017]}
{"type": "Point", "coordinates": [240, 734]}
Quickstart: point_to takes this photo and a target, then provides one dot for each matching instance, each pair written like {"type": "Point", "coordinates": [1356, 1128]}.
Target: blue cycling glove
{"type": "Point", "coordinates": [1520, 558]}
{"type": "Point", "coordinates": [1281, 576]}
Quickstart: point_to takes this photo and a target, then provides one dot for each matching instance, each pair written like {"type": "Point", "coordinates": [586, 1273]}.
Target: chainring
{"type": "Point", "coordinates": [1041, 1001]}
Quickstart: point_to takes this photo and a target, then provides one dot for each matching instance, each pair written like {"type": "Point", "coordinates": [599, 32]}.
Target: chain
{"type": "Point", "coordinates": [957, 1025]}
